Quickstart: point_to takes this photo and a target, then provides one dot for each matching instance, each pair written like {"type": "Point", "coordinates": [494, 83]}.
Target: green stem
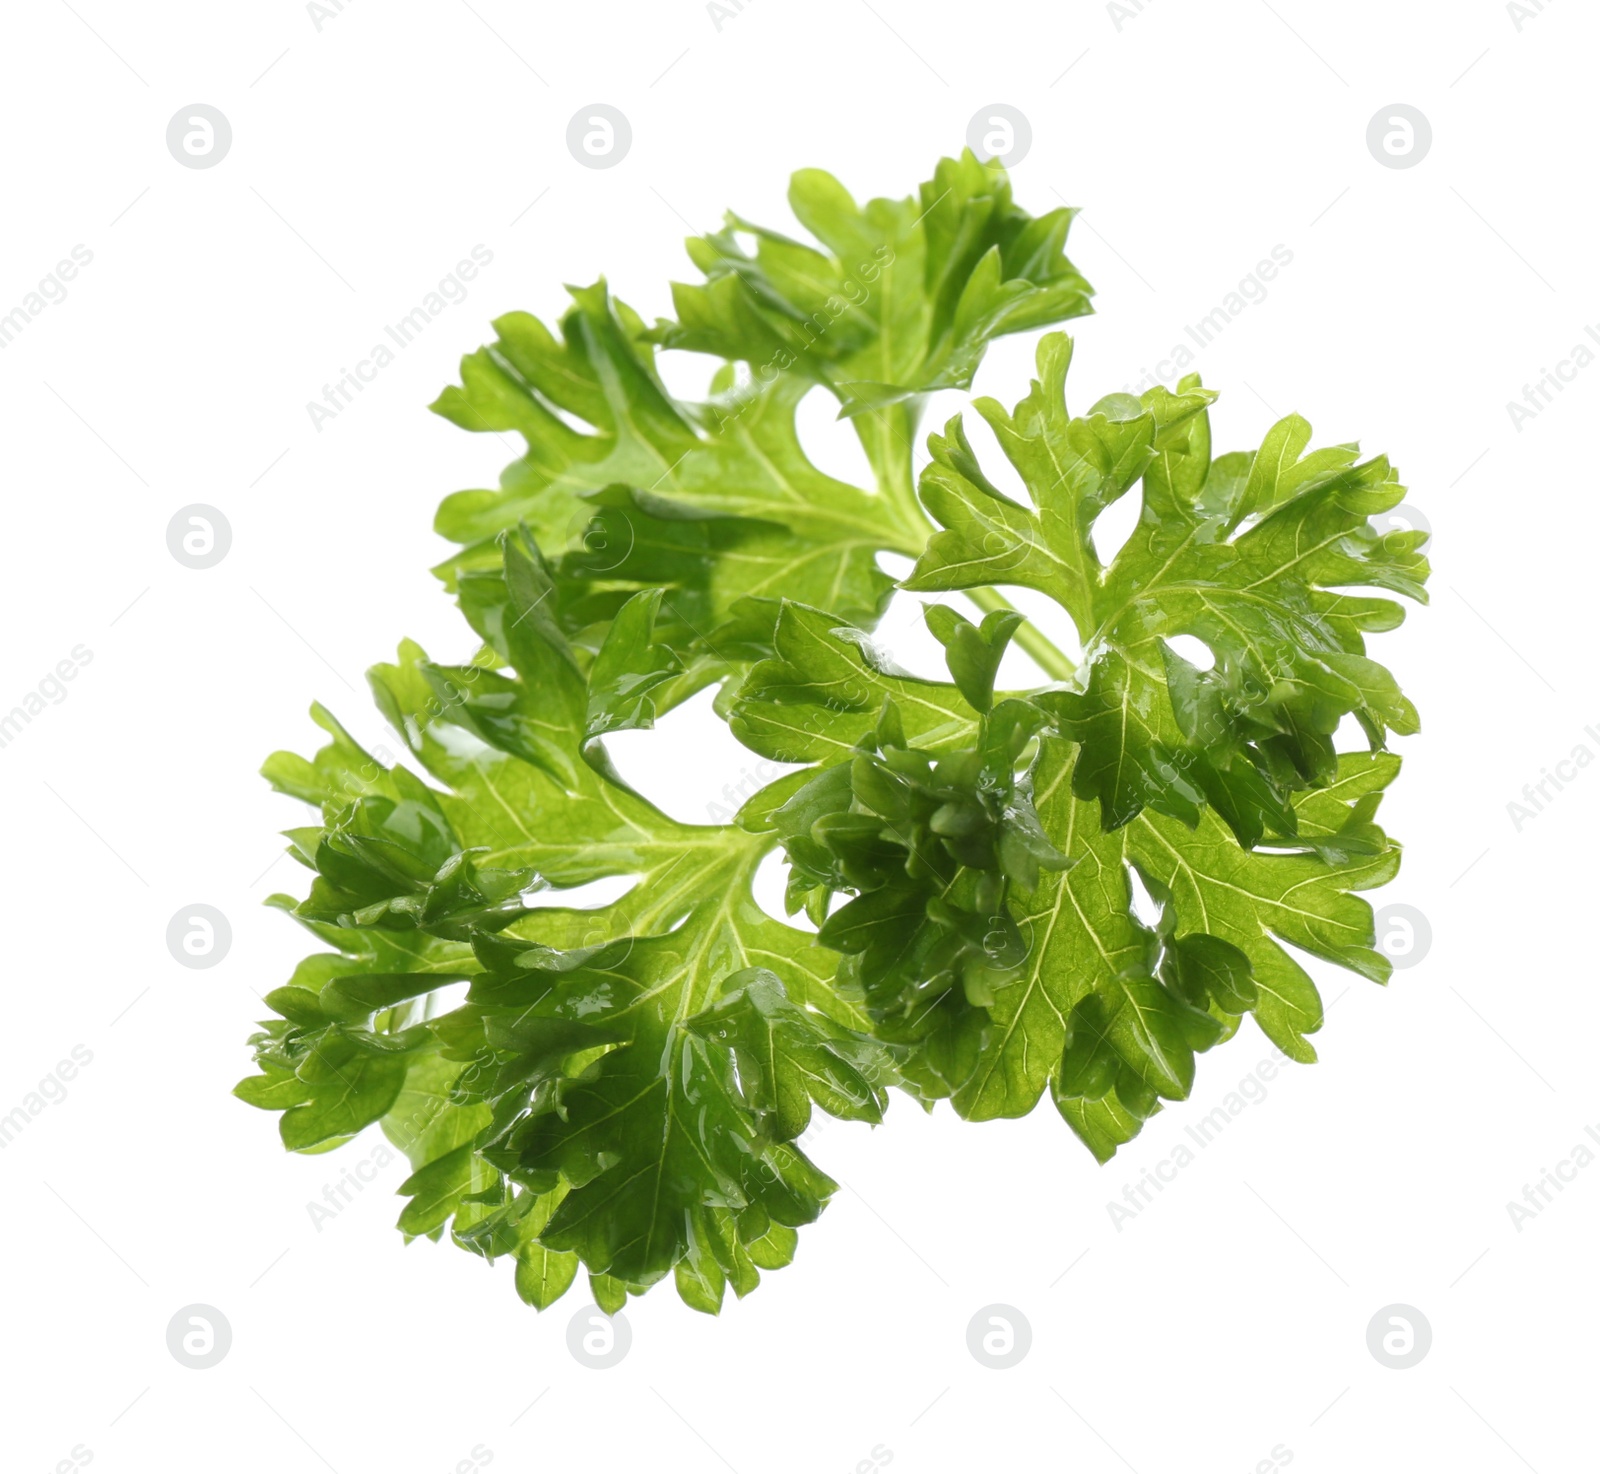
{"type": "Point", "coordinates": [1053, 662]}
{"type": "Point", "coordinates": [886, 436]}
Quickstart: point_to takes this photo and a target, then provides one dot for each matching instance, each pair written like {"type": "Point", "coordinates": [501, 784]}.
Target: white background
{"type": "Point", "coordinates": [368, 157]}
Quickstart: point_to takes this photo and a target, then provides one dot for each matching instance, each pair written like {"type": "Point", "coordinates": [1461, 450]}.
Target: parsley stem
{"type": "Point", "coordinates": [886, 437]}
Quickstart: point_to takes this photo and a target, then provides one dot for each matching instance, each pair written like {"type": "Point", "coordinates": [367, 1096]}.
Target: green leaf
{"type": "Point", "coordinates": [427, 1120]}
{"type": "Point", "coordinates": [273, 1090]}
{"type": "Point", "coordinates": [659, 1125]}
{"type": "Point", "coordinates": [1252, 900]}
{"type": "Point", "coordinates": [789, 1057]}
{"type": "Point", "coordinates": [570, 1074]}
{"type": "Point", "coordinates": [822, 690]}
{"type": "Point", "coordinates": [904, 296]}
{"type": "Point", "coordinates": [349, 1084]}
{"type": "Point", "coordinates": [620, 1088]}
{"type": "Point", "coordinates": [1248, 556]}
{"type": "Point", "coordinates": [716, 501]}
{"type": "Point", "coordinates": [628, 668]}
{"type": "Point", "coordinates": [973, 652]}
{"type": "Point", "coordinates": [1083, 940]}
{"type": "Point", "coordinates": [1156, 1001]}
{"type": "Point", "coordinates": [436, 1191]}
{"type": "Point", "coordinates": [543, 1275]}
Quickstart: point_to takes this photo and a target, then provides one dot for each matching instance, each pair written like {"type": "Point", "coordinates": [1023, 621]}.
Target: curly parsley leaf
{"type": "Point", "coordinates": [1249, 554]}
{"type": "Point", "coordinates": [1075, 890]}
{"type": "Point", "coordinates": [904, 295]}
{"type": "Point", "coordinates": [1218, 792]}
{"type": "Point", "coordinates": [717, 502]}
{"type": "Point", "coordinates": [584, 1099]}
